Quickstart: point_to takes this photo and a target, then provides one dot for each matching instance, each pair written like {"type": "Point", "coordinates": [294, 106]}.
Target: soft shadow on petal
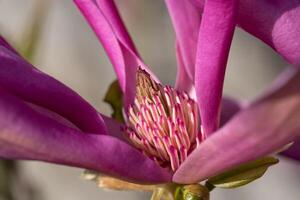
{"type": "Point", "coordinates": [52, 115]}
{"type": "Point", "coordinates": [279, 27]}
{"type": "Point", "coordinates": [215, 36]}
{"type": "Point", "coordinates": [293, 151]}
{"type": "Point", "coordinates": [116, 42]}
{"type": "Point", "coordinates": [261, 128]}
{"type": "Point", "coordinates": [114, 128]}
{"type": "Point", "coordinates": [26, 134]}
{"type": "Point", "coordinates": [183, 81]}
{"type": "Point", "coordinates": [28, 83]}
{"type": "Point", "coordinates": [229, 108]}
{"type": "Point", "coordinates": [186, 19]}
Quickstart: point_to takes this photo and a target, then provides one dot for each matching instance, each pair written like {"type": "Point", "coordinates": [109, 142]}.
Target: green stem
{"type": "Point", "coordinates": [33, 32]}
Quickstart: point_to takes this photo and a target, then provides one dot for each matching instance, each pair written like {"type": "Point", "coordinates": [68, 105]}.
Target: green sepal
{"type": "Point", "coordinates": [113, 97]}
{"type": "Point", "coordinates": [178, 193]}
{"type": "Point", "coordinates": [243, 174]}
{"type": "Point", "coordinates": [191, 192]}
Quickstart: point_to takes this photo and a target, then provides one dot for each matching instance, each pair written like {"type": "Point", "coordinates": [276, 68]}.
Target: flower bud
{"type": "Point", "coordinates": [192, 192]}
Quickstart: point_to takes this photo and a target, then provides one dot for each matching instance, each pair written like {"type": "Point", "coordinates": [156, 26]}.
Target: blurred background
{"type": "Point", "coordinates": [68, 50]}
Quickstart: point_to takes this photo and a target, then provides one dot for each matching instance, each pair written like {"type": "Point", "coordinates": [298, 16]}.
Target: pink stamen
{"type": "Point", "coordinates": [164, 125]}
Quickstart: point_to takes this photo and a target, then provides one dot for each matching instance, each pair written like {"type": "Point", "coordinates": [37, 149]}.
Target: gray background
{"type": "Point", "coordinates": [70, 52]}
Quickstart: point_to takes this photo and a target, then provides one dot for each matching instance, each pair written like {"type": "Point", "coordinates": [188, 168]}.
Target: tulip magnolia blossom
{"type": "Point", "coordinates": [170, 134]}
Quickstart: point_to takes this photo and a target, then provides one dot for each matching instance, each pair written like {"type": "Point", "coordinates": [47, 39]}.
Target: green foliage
{"type": "Point", "coordinates": [243, 174]}
{"type": "Point", "coordinates": [113, 97]}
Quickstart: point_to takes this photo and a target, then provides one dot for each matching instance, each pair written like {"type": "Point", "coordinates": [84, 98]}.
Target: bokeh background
{"type": "Point", "coordinates": [69, 51]}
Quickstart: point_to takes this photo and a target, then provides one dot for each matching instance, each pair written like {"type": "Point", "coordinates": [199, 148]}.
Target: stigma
{"type": "Point", "coordinates": [163, 123]}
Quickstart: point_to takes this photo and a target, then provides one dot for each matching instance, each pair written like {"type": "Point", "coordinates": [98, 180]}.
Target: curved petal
{"type": "Point", "coordinates": [26, 134]}
{"type": "Point", "coordinates": [186, 19]}
{"type": "Point", "coordinates": [215, 36]}
{"type": "Point", "coordinates": [5, 44]}
{"type": "Point", "coordinates": [110, 11]}
{"type": "Point", "coordinates": [52, 115]}
{"type": "Point", "coordinates": [106, 23]}
{"type": "Point", "coordinates": [112, 127]}
{"type": "Point", "coordinates": [229, 108]}
{"type": "Point", "coordinates": [293, 151]}
{"type": "Point", "coordinates": [183, 81]}
{"type": "Point", "coordinates": [21, 78]}
{"type": "Point", "coordinates": [279, 27]}
{"type": "Point", "coordinates": [262, 128]}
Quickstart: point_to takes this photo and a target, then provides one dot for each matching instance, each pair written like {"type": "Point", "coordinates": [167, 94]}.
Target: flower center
{"type": "Point", "coordinates": [162, 122]}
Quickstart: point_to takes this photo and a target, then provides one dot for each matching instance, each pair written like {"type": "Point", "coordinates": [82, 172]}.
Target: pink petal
{"type": "Point", "coordinates": [293, 151]}
{"type": "Point", "coordinates": [114, 128]}
{"type": "Point", "coordinates": [28, 83]}
{"type": "Point", "coordinates": [110, 11]}
{"type": "Point", "coordinates": [230, 107]}
{"type": "Point", "coordinates": [279, 27]}
{"type": "Point", "coordinates": [263, 127]}
{"type": "Point", "coordinates": [27, 134]}
{"type": "Point", "coordinates": [4, 43]}
{"type": "Point", "coordinates": [186, 19]}
{"type": "Point", "coordinates": [183, 81]}
{"type": "Point", "coordinates": [106, 23]}
{"type": "Point", "coordinates": [214, 41]}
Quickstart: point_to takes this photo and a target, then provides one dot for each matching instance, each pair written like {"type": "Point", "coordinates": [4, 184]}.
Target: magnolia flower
{"type": "Point", "coordinates": [163, 138]}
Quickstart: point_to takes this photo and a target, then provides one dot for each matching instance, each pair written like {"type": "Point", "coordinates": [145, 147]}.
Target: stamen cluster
{"type": "Point", "coordinates": [163, 122]}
